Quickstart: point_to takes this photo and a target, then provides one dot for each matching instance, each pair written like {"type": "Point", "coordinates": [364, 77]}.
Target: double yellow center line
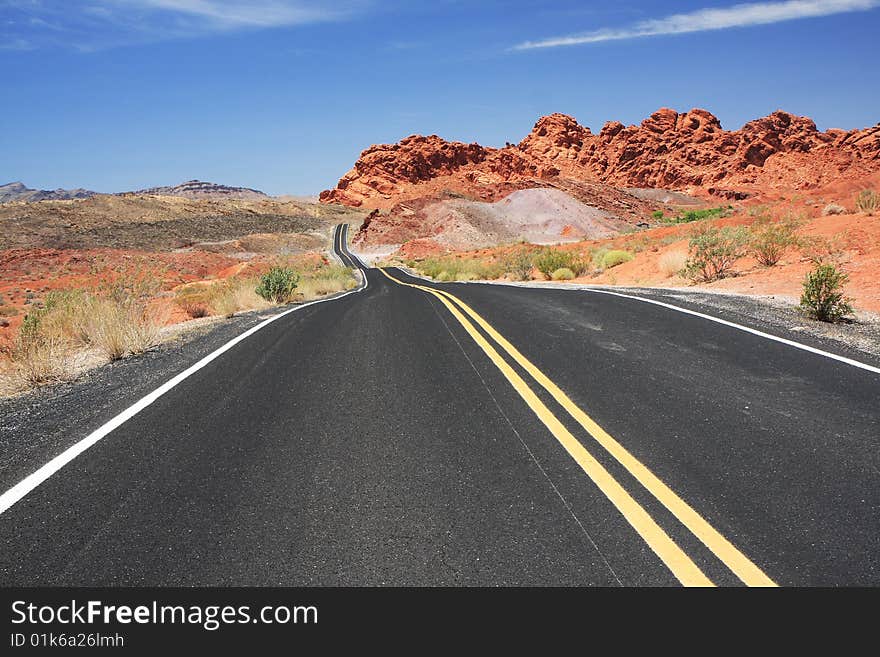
{"type": "Point", "coordinates": [681, 565]}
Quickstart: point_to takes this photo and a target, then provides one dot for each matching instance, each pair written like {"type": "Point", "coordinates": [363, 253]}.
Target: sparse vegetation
{"type": "Point", "coordinates": [562, 274]}
{"type": "Point", "coordinates": [196, 309]}
{"type": "Point", "coordinates": [823, 297]}
{"type": "Point", "coordinates": [699, 215]}
{"type": "Point", "coordinates": [657, 215]}
{"type": "Point", "coordinates": [121, 329]}
{"type": "Point", "coordinates": [458, 269]}
{"type": "Point", "coordinates": [868, 201]}
{"type": "Point", "coordinates": [325, 280]}
{"type": "Point", "coordinates": [37, 357]}
{"type": "Point", "coordinates": [115, 320]}
{"type": "Point", "coordinates": [518, 264]}
{"type": "Point", "coordinates": [833, 209]}
{"type": "Point", "coordinates": [234, 295]}
{"type": "Point", "coordinates": [615, 257]}
{"type": "Point", "coordinates": [550, 260]}
{"type": "Point", "coordinates": [713, 252]}
{"type": "Point", "coordinates": [278, 284]}
{"type": "Point", "coordinates": [672, 263]}
{"type": "Point", "coordinates": [769, 241]}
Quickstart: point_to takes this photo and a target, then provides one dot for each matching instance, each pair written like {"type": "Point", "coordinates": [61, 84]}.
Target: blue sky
{"type": "Point", "coordinates": [283, 95]}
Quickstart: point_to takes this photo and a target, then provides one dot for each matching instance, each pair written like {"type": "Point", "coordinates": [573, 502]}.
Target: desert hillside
{"type": "Point", "coordinates": [442, 194]}
{"type": "Point", "coordinates": [183, 246]}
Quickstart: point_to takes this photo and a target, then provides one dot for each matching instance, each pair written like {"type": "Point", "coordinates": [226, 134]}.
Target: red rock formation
{"type": "Point", "coordinates": [689, 151]}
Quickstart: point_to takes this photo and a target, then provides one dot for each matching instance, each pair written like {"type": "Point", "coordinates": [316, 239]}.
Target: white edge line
{"type": "Point", "coordinates": [29, 483]}
{"type": "Point", "coordinates": [711, 318]}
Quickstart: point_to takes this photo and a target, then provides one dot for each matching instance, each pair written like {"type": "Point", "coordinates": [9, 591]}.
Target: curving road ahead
{"type": "Point", "coordinates": [465, 434]}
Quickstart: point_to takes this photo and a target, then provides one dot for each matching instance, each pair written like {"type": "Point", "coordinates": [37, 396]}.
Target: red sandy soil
{"type": "Point", "coordinates": [28, 275]}
{"type": "Point", "coordinates": [855, 238]}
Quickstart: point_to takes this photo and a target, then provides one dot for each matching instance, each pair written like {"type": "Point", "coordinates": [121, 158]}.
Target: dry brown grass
{"type": "Point", "coordinates": [235, 295]}
{"type": "Point", "coordinates": [37, 360]}
{"type": "Point", "coordinates": [314, 287]}
{"type": "Point", "coordinates": [122, 329]}
{"type": "Point", "coordinates": [672, 262]}
{"type": "Point", "coordinates": [116, 321]}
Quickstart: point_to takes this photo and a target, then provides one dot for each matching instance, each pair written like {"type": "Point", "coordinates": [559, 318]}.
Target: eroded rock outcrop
{"type": "Point", "coordinates": [685, 151]}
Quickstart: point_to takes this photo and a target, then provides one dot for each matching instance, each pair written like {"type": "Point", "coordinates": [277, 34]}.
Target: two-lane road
{"type": "Point", "coordinates": [474, 435]}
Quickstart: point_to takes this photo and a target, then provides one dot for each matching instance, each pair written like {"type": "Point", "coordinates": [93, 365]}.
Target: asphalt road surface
{"type": "Point", "coordinates": [413, 433]}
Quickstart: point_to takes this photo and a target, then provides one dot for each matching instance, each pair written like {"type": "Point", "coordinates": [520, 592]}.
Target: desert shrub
{"type": "Point", "coordinates": [196, 309]}
{"type": "Point", "coordinates": [770, 241]}
{"type": "Point", "coordinates": [578, 265]}
{"type": "Point", "coordinates": [518, 264]}
{"type": "Point", "coordinates": [549, 260]}
{"type": "Point", "coordinates": [713, 251]}
{"type": "Point", "coordinates": [822, 296]}
{"type": "Point", "coordinates": [135, 283]}
{"type": "Point", "coordinates": [657, 214]}
{"type": "Point", "coordinates": [65, 315]}
{"type": "Point", "coordinates": [562, 274]}
{"type": "Point", "coordinates": [833, 209]}
{"type": "Point", "coordinates": [672, 262]}
{"type": "Point", "coordinates": [615, 257]}
{"type": "Point", "coordinates": [868, 201]}
{"type": "Point", "coordinates": [278, 284]}
{"type": "Point", "coordinates": [460, 269]}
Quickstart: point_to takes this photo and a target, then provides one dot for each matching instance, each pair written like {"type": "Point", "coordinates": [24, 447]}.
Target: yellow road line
{"type": "Point", "coordinates": [739, 564]}
{"type": "Point", "coordinates": [681, 565]}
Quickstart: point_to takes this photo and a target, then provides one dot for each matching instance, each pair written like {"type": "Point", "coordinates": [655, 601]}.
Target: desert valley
{"type": "Point", "coordinates": [620, 207]}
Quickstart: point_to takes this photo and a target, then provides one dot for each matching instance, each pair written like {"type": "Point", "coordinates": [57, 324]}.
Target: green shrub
{"type": "Point", "coordinates": [699, 215]}
{"type": "Point", "coordinates": [578, 265]}
{"type": "Point", "coordinates": [868, 201]}
{"type": "Point", "coordinates": [562, 274]}
{"type": "Point", "coordinates": [822, 297]}
{"type": "Point", "coordinates": [278, 284]}
{"type": "Point", "coordinates": [519, 264]}
{"type": "Point", "coordinates": [549, 260]}
{"type": "Point", "coordinates": [770, 241]}
{"type": "Point", "coordinates": [616, 257]}
{"type": "Point", "coordinates": [658, 215]}
{"type": "Point", "coordinates": [459, 269]}
{"type": "Point", "coordinates": [713, 251]}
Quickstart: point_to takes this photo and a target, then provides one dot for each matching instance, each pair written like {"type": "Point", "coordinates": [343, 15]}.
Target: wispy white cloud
{"type": "Point", "coordinates": [232, 14]}
{"type": "Point", "coordinates": [15, 43]}
{"type": "Point", "coordinates": [97, 24]}
{"type": "Point", "coordinates": [703, 20]}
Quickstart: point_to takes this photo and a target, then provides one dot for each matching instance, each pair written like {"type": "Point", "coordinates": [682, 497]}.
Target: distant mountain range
{"type": "Point", "coordinates": [197, 189]}
{"type": "Point", "coordinates": [193, 189]}
{"type": "Point", "coordinates": [16, 191]}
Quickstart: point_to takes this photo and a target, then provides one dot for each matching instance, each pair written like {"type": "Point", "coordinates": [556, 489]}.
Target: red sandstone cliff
{"type": "Point", "coordinates": [689, 151]}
